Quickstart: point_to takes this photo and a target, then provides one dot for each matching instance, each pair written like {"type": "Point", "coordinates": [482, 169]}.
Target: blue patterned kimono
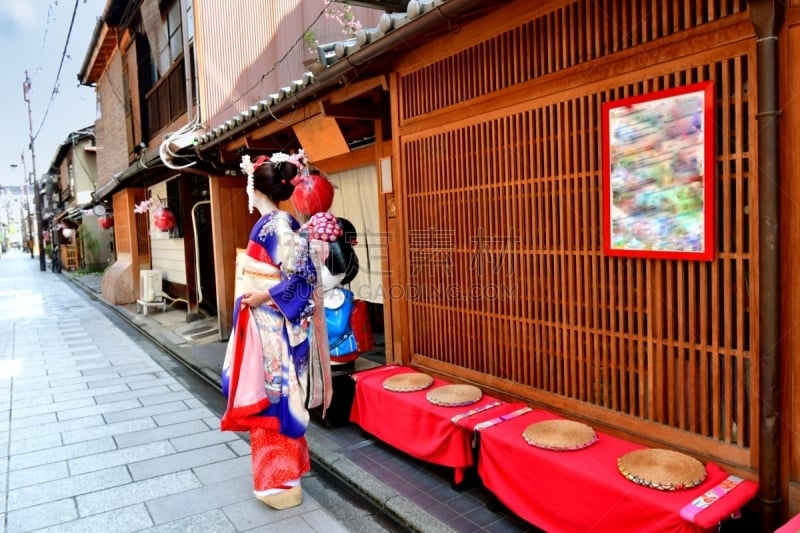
{"type": "Point", "coordinates": [277, 260]}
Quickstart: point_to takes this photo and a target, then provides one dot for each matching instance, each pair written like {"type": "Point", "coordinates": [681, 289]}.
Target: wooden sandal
{"type": "Point", "coordinates": [291, 497]}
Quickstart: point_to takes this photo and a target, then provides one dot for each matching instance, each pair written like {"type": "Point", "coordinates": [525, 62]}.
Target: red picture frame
{"type": "Point", "coordinates": [658, 174]}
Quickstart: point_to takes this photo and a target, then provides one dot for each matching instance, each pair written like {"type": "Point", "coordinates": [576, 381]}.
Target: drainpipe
{"type": "Point", "coordinates": [187, 64]}
{"type": "Point", "coordinates": [767, 17]}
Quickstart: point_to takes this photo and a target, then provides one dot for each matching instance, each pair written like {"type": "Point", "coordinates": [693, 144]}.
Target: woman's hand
{"type": "Point", "coordinates": [256, 299]}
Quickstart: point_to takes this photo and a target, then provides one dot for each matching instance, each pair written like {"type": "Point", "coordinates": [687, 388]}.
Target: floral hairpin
{"type": "Point", "coordinates": [323, 226]}
{"type": "Point", "coordinates": [299, 159]}
{"type": "Point", "coordinates": [249, 167]}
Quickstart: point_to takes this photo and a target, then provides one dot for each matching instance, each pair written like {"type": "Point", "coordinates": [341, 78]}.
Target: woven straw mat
{"type": "Point", "coordinates": [661, 469]}
{"type": "Point", "coordinates": [454, 395]}
{"type": "Point", "coordinates": [559, 435]}
{"type": "Point", "coordinates": [407, 382]}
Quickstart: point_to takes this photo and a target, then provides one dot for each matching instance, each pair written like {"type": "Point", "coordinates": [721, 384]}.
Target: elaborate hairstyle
{"type": "Point", "coordinates": [273, 175]}
{"type": "Point", "coordinates": [342, 258]}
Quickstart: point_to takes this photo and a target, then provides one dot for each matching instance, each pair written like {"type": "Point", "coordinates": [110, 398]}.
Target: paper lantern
{"type": "Point", "coordinates": [164, 219]}
{"type": "Point", "coordinates": [313, 194]}
{"type": "Point", "coordinates": [106, 222]}
{"type": "Point", "coordinates": [67, 232]}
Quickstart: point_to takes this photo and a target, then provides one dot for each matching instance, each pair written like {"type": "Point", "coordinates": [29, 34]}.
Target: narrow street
{"type": "Point", "coordinates": [101, 430]}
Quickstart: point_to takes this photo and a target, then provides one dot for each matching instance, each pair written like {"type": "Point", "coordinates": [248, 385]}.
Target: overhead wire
{"type": "Point", "coordinates": [50, 19]}
{"type": "Point", "coordinates": [164, 149]}
{"type": "Point", "coordinates": [280, 61]}
{"type": "Point", "coordinates": [58, 74]}
{"type": "Point", "coordinates": [186, 133]}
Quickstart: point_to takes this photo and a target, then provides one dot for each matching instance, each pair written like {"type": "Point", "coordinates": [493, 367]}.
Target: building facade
{"type": "Point", "coordinates": [472, 143]}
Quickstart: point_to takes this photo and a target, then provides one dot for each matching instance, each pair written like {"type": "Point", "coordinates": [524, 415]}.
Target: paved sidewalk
{"type": "Point", "coordinates": [100, 432]}
{"type": "Point", "coordinates": [403, 490]}
{"type": "Point", "coordinates": [413, 493]}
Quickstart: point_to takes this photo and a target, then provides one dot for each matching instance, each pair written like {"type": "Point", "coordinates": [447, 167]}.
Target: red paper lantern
{"type": "Point", "coordinates": [313, 194]}
{"type": "Point", "coordinates": [106, 222]}
{"type": "Point", "coordinates": [163, 219]}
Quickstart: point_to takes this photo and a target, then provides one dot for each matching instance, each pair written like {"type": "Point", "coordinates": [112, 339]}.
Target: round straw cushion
{"type": "Point", "coordinates": [662, 469]}
{"type": "Point", "coordinates": [407, 382]}
{"type": "Point", "coordinates": [454, 395]}
{"type": "Point", "coordinates": [560, 435]}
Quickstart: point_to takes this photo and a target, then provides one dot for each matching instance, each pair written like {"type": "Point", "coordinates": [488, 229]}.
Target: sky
{"type": "Point", "coordinates": [49, 39]}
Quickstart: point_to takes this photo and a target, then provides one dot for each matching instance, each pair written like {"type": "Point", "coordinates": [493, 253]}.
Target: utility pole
{"type": "Point", "coordinates": [28, 221]}
{"type": "Point", "coordinates": [37, 196]}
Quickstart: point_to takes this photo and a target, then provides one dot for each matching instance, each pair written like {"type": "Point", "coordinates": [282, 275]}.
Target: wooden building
{"type": "Point", "coordinates": [475, 133]}
{"type": "Point", "coordinates": [492, 210]}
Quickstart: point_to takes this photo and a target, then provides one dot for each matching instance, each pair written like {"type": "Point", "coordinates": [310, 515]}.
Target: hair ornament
{"type": "Point", "coordinates": [299, 159]}
{"type": "Point", "coordinates": [260, 160]}
{"type": "Point", "coordinates": [299, 178]}
{"type": "Point", "coordinates": [323, 226]}
{"type": "Point", "coordinates": [248, 168]}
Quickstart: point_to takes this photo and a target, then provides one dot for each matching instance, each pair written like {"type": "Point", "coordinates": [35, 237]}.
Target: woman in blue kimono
{"type": "Point", "coordinates": [274, 370]}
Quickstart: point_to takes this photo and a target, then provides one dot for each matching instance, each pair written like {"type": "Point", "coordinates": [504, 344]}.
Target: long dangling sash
{"type": "Point", "coordinates": [320, 389]}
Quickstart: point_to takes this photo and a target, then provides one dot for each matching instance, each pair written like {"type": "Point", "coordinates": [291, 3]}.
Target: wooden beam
{"type": "Point", "coordinates": [321, 138]}
{"type": "Point", "coordinates": [352, 110]}
{"type": "Point", "coordinates": [354, 90]}
{"type": "Point", "coordinates": [340, 96]}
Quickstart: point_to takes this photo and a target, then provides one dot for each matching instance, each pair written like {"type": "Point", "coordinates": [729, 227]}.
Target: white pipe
{"type": "Point", "coordinates": [187, 66]}
{"type": "Point", "coordinates": [197, 252]}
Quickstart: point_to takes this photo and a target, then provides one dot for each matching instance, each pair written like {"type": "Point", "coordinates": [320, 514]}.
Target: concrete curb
{"type": "Point", "coordinates": [324, 453]}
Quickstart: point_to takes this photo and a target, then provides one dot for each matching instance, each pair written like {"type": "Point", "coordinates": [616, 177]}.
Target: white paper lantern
{"type": "Point", "coordinates": [67, 232]}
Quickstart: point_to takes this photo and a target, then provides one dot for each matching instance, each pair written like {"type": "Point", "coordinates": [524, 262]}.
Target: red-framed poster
{"type": "Point", "coordinates": [658, 174]}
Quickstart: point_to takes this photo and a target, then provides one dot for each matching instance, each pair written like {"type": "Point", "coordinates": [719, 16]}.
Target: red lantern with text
{"type": "Point", "coordinates": [163, 219]}
{"type": "Point", "coordinates": [105, 222]}
{"type": "Point", "coordinates": [312, 194]}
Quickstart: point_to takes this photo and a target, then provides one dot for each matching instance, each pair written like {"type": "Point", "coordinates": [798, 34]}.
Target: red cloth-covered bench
{"type": "Point", "coordinates": [792, 526]}
{"type": "Point", "coordinates": [408, 422]}
{"type": "Point", "coordinates": [582, 490]}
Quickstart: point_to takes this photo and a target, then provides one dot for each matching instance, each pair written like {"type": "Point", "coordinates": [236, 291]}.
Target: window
{"type": "Point", "coordinates": [71, 179]}
{"type": "Point", "coordinates": [172, 42]}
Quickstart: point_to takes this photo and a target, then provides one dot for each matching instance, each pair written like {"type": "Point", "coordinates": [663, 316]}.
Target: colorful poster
{"type": "Point", "coordinates": [658, 168]}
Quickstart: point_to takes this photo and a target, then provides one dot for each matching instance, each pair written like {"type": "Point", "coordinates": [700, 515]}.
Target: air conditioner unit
{"type": "Point", "coordinates": [150, 285]}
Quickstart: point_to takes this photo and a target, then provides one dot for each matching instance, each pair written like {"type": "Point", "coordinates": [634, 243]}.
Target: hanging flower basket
{"type": "Point", "coordinates": [163, 218]}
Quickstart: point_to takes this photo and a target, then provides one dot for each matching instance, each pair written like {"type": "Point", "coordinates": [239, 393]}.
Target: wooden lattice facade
{"type": "Point", "coordinates": [488, 156]}
{"type": "Point", "coordinates": [505, 281]}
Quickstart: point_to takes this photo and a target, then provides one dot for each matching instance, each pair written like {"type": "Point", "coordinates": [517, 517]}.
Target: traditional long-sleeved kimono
{"type": "Point", "coordinates": [271, 363]}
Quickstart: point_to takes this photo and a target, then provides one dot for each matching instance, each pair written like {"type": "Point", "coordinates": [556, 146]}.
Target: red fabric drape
{"type": "Point", "coordinates": [410, 423]}
{"type": "Point", "coordinates": [582, 490]}
{"type": "Point", "coordinates": [277, 459]}
{"type": "Point", "coordinates": [246, 395]}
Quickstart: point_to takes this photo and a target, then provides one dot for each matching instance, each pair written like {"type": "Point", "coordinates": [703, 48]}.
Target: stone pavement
{"type": "Point", "coordinates": [196, 344]}
{"type": "Point", "coordinates": [101, 431]}
{"type": "Point", "coordinates": [418, 496]}
{"type": "Point", "coordinates": [409, 495]}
